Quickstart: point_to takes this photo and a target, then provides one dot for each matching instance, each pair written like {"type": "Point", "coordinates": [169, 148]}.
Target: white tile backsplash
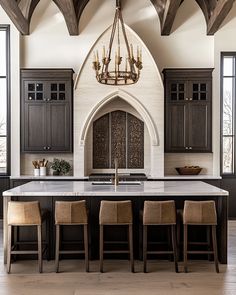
{"type": "Point", "coordinates": [183, 159]}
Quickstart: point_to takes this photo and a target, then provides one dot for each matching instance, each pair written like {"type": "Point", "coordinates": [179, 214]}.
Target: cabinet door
{"type": "Point", "coordinates": [34, 122]}
{"type": "Point", "coordinates": [34, 91]}
{"type": "Point", "coordinates": [176, 127]}
{"type": "Point", "coordinates": [199, 90]}
{"type": "Point", "coordinates": [58, 127]}
{"type": "Point", "coordinates": [59, 90]}
{"type": "Point", "coordinates": [176, 91]}
{"type": "Point", "coordinates": [199, 126]}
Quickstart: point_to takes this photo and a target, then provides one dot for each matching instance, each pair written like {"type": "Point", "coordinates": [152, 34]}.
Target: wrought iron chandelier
{"type": "Point", "coordinates": [116, 71]}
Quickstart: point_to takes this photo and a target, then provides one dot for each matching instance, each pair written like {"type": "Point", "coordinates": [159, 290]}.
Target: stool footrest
{"type": "Point", "coordinates": [158, 243]}
{"type": "Point", "coordinates": [200, 252]}
{"type": "Point", "coordinates": [71, 252]}
{"type": "Point", "coordinates": [71, 242]}
{"type": "Point", "coordinates": [29, 243]}
{"type": "Point", "coordinates": [115, 242]}
{"type": "Point", "coordinates": [160, 252]}
{"type": "Point", "coordinates": [116, 252]}
{"type": "Point", "coordinates": [198, 243]}
{"type": "Point", "coordinates": [24, 252]}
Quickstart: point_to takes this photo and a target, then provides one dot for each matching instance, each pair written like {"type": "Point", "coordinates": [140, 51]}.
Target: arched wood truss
{"type": "Point", "coordinates": [20, 12]}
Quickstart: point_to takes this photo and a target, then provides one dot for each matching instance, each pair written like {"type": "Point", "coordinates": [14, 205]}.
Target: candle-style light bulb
{"type": "Point", "coordinates": [132, 51]}
{"type": "Point", "coordinates": [103, 53]}
{"type": "Point", "coordinates": [138, 53]}
{"type": "Point", "coordinates": [97, 59]}
{"type": "Point", "coordinates": [126, 64]}
{"type": "Point", "coordinates": [94, 56]}
{"type": "Point", "coordinates": [141, 55]}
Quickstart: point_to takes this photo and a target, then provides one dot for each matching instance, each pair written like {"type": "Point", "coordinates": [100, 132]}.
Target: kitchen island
{"type": "Point", "coordinates": [47, 192]}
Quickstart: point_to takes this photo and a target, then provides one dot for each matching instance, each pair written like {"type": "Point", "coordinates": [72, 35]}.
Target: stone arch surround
{"type": "Point", "coordinates": [146, 97]}
{"type": "Point", "coordinates": [134, 102]}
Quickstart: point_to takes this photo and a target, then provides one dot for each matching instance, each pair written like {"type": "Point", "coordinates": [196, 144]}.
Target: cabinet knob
{"type": "Point", "coordinates": [45, 99]}
{"type": "Point", "coordinates": [44, 147]}
{"type": "Point", "coordinates": [190, 98]}
{"type": "Point", "coordinates": [186, 148]}
{"type": "Point", "coordinates": [186, 98]}
{"type": "Point", "coordinates": [190, 148]}
{"type": "Point", "coordinates": [48, 148]}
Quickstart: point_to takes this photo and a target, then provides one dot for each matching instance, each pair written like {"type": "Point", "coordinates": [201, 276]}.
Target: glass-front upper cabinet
{"type": "Point", "coordinates": [45, 91]}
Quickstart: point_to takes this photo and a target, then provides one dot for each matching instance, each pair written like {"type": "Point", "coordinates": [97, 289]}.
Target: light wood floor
{"type": "Point", "coordinates": [162, 280]}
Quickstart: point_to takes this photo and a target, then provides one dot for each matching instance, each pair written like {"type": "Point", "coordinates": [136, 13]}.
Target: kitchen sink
{"type": "Point", "coordinates": [120, 183]}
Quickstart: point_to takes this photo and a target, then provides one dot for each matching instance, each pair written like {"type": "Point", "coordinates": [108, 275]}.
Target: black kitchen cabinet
{"type": "Point", "coordinates": [46, 110]}
{"type": "Point", "coordinates": [188, 110]}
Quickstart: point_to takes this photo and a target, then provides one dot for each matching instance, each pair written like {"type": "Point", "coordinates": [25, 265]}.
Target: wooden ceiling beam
{"type": "Point", "coordinates": [167, 10]}
{"type": "Point", "coordinates": [68, 10]}
{"type": "Point", "coordinates": [14, 12]}
{"type": "Point", "coordinates": [169, 15]}
{"type": "Point", "coordinates": [204, 5]}
{"type": "Point", "coordinates": [80, 6]}
{"type": "Point", "coordinates": [215, 11]}
{"type": "Point", "coordinates": [160, 7]}
{"type": "Point", "coordinates": [218, 15]}
{"type": "Point", "coordinates": [32, 7]}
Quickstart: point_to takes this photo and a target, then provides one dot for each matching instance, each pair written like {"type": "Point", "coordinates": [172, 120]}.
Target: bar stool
{"type": "Point", "coordinates": [200, 213]}
{"type": "Point", "coordinates": [24, 214]}
{"type": "Point", "coordinates": [116, 213]}
{"type": "Point", "coordinates": [158, 213]}
{"type": "Point", "coordinates": [71, 213]}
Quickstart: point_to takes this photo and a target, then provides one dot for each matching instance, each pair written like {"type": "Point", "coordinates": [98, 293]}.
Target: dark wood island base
{"type": "Point", "coordinates": [49, 192]}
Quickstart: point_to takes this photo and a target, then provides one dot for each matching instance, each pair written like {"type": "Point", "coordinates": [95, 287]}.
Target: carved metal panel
{"type": "Point", "coordinates": [101, 142]}
{"type": "Point", "coordinates": [118, 138]}
{"type": "Point", "coordinates": [135, 142]}
{"type": "Point", "coordinates": [118, 135]}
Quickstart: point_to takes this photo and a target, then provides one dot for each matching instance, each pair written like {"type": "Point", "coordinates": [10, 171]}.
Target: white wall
{"type": "Point", "coordinates": [50, 45]}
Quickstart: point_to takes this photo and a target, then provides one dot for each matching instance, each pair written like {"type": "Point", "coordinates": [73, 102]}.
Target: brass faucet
{"type": "Point", "coordinates": [116, 172]}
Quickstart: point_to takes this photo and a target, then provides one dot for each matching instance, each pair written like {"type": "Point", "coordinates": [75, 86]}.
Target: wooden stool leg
{"type": "Point", "coordinates": [9, 249]}
{"type": "Point", "coordinates": [169, 242]}
{"type": "Point", "coordinates": [185, 247]}
{"type": "Point", "coordinates": [131, 248]}
{"type": "Point", "coordinates": [174, 245]}
{"type": "Point", "coordinates": [86, 247]}
{"type": "Point", "coordinates": [15, 240]}
{"type": "Point", "coordinates": [145, 248]}
{"type": "Point", "coordinates": [214, 240]}
{"type": "Point", "coordinates": [40, 261]}
{"type": "Point", "coordinates": [57, 248]}
{"type": "Point", "coordinates": [48, 246]}
{"type": "Point", "coordinates": [209, 240]}
{"type": "Point", "coordinates": [140, 236]}
{"type": "Point", "coordinates": [101, 247]}
{"type": "Point", "coordinates": [178, 225]}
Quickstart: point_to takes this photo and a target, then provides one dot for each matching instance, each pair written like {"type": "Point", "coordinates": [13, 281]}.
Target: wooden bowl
{"type": "Point", "coordinates": [194, 170]}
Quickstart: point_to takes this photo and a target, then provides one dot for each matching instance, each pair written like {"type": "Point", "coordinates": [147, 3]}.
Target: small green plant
{"type": "Point", "coordinates": [60, 167]}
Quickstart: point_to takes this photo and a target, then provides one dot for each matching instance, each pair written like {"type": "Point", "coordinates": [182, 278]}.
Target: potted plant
{"type": "Point", "coordinates": [60, 167]}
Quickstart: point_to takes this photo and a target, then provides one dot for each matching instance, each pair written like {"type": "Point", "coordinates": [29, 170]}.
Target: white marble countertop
{"type": "Point", "coordinates": [147, 188]}
{"type": "Point", "coordinates": [166, 177]}
{"type": "Point", "coordinates": [49, 177]}
{"type": "Point", "coordinates": [186, 177]}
